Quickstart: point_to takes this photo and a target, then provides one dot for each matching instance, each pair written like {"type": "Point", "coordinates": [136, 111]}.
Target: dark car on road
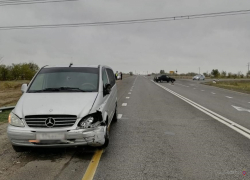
{"type": "Point", "coordinates": [160, 78]}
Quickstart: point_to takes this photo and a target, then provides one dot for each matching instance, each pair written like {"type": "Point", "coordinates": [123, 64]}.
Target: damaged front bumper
{"type": "Point", "coordinates": [78, 137]}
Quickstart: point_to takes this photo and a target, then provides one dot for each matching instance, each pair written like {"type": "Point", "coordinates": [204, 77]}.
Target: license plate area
{"type": "Point", "coordinates": [50, 136]}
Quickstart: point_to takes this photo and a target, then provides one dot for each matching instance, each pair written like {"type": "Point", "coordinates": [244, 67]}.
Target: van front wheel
{"type": "Point", "coordinates": [106, 139]}
{"type": "Point", "coordinates": [115, 116]}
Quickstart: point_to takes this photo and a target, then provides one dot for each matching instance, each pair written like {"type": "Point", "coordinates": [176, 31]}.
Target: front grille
{"type": "Point", "coordinates": [39, 121]}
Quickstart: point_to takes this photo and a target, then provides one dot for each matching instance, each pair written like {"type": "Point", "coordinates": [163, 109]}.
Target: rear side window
{"type": "Point", "coordinates": [111, 77]}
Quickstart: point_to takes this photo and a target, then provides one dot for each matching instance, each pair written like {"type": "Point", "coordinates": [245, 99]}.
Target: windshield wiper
{"type": "Point", "coordinates": [46, 90]}
{"type": "Point", "coordinates": [59, 89]}
{"type": "Point", "coordinates": [72, 89]}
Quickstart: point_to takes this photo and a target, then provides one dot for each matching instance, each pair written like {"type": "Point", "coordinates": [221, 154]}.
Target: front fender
{"type": "Point", "coordinates": [102, 110]}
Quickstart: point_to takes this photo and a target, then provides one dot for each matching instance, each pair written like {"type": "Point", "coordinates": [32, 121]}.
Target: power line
{"type": "Point", "coordinates": [20, 2]}
{"type": "Point", "coordinates": [14, 1]}
{"type": "Point", "coordinates": [132, 21]}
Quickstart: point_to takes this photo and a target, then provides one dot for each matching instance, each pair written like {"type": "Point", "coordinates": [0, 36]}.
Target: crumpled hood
{"type": "Point", "coordinates": [78, 104]}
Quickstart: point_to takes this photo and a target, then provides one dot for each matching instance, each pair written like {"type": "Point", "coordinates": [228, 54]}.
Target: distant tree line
{"type": "Point", "coordinates": [215, 73]}
{"type": "Point", "coordinates": [223, 74]}
{"type": "Point", "coordinates": [22, 71]}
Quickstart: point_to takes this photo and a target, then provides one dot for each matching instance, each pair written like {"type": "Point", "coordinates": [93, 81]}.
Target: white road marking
{"type": "Point", "coordinates": [213, 93]}
{"type": "Point", "coordinates": [241, 109]}
{"type": "Point", "coordinates": [182, 85]}
{"type": "Point", "coordinates": [229, 97]}
{"type": "Point", "coordinates": [124, 104]}
{"type": "Point", "coordinates": [238, 128]}
{"type": "Point", "coordinates": [127, 97]}
{"type": "Point", "coordinates": [202, 90]}
{"type": "Point", "coordinates": [129, 93]}
{"type": "Point", "coordinates": [119, 116]}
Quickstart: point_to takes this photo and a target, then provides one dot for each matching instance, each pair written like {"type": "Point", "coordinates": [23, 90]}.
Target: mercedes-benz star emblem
{"type": "Point", "coordinates": [50, 122]}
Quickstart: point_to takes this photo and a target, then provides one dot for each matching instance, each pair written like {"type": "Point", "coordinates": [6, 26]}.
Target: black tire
{"type": "Point", "coordinates": [115, 116]}
{"type": "Point", "coordinates": [19, 148]}
{"type": "Point", "coordinates": [106, 139]}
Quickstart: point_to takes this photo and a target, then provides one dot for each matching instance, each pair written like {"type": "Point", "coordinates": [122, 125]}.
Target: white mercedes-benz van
{"type": "Point", "coordinates": [65, 106]}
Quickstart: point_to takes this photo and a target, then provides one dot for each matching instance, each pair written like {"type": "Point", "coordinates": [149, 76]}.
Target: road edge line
{"type": "Point", "coordinates": [90, 172]}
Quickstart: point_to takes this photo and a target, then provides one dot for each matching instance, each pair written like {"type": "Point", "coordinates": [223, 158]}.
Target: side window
{"type": "Point", "coordinates": [111, 77]}
{"type": "Point", "coordinates": [104, 77]}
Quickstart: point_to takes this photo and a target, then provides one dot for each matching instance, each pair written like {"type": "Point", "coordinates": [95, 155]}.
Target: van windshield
{"type": "Point", "coordinates": [66, 79]}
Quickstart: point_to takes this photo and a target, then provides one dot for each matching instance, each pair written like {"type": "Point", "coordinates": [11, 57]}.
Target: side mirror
{"type": "Point", "coordinates": [107, 89]}
{"type": "Point", "coordinates": [24, 88]}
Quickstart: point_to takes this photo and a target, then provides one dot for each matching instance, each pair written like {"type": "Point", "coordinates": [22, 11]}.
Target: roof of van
{"type": "Point", "coordinates": [50, 66]}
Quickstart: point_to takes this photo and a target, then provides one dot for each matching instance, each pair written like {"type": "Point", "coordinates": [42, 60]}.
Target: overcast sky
{"type": "Point", "coordinates": [222, 42]}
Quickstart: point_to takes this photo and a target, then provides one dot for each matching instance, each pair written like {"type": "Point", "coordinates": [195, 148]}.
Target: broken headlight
{"type": "Point", "coordinates": [90, 121]}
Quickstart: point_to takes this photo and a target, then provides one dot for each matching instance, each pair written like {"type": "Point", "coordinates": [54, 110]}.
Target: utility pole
{"type": "Point", "coordinates": [248, 64]}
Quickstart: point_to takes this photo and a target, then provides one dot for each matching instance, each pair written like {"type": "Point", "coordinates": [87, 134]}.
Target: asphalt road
{"type": "Point", "coordinates": [219, 100]}
{"type": "Point", "coordinates": [158, 136]}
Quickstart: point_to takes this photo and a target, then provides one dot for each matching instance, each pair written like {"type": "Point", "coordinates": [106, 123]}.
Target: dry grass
{"type": "Point", "coordinates": [4, 116]}
{"type": "Point", "coordinates": [10, 92]}
{"type": "Point", "coordinates": [240, 86]}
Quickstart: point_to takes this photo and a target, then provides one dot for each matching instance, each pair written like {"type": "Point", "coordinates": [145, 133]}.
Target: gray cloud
{"type": "Point", "coordinates": [221, 42]}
